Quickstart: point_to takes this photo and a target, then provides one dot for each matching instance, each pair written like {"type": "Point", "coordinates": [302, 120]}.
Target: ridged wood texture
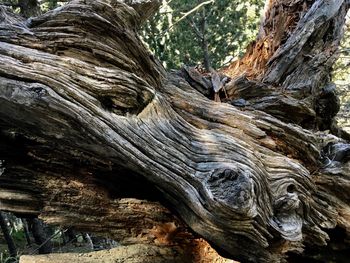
{"type": "Point", "coordinates": [88, 117]}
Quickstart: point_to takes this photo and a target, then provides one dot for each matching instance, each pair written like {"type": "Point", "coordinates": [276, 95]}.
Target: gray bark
{"type": "Point", "coordinates": [89, 117]}
{"type": "Point", "coordinates": [29, 8]}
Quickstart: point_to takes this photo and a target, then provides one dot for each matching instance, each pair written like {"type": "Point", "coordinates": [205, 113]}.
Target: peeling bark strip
{"type": "Point", "coordinates": [89, 116]}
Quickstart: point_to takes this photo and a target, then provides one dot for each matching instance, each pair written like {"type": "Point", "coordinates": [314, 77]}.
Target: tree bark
{"type": "Point", "coordinates": [29, 8]}
{"type": "Point", "coordinates": [90, 119]}
{"type": "Point", "coordinates": [26, 231]}
{"type": "Point", "coordinates": [42, 239]}
{"type": "Point", "coordinates": [7, 236]}
{"type": "Point", "coordinates": [204, 41]}
{"type": "Point", "coordinates": [286, 71]}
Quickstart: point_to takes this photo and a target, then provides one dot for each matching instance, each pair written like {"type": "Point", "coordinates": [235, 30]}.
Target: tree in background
{"type": "Point", "coordinates": [40, 234]}
{"type": "Point", "coordinates": [7, 236]}
{"type": "Point", "coordinates": [341, 76]}
{"type": "Point", "coordinates": [212, 35]}
{"type": "Point", "coordinates": [31, 8]}
{"type": "Point", "coordinates": [218, 29]}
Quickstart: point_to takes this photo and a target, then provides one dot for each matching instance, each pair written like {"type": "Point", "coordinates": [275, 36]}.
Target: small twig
{"type": "Point", "coordinates": [195, 29]}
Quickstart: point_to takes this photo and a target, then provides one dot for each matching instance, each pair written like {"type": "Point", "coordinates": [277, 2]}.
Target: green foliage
{"type": "Point", "coordinates": [231, 25]}
{"type": "Point", "coordinates": [18, 236]}
{"type": "Point", "coordinates": [45, 5]}
{"type": "Point", "coordinates": [341, 76]}
{"type": "Point", "coordinates": [5, 257]}
{"type": "Point", "coordinates": [50, 4]}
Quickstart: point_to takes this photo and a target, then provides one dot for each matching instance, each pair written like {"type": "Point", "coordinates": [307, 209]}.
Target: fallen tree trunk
{"type": "Point", "coordinates": [89, 117]}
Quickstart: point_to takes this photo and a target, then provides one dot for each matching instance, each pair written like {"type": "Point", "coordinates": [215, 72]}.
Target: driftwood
{"type": "Point", "coordinates": [88, 117]}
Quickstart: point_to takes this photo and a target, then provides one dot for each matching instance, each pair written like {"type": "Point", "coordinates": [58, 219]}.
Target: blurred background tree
{"type": "Point", "coordinates": [29, 8]}
{"type": "Point", "coordinates": [341, 76]}
{"type": "Point", "coordinates": [226, 26]}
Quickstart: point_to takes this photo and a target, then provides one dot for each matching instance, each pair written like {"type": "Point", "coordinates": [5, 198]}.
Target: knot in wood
{"type": "Point", "coordinates": [287, 220]}
{"type": "Point", "coordinates": [287, 203]}
{"type": "Point", "coordinates": [234, 188]}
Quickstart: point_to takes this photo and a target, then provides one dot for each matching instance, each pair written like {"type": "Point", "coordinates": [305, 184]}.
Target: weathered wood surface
{"type": "Point", "coordinates": [131, 254]}
{"type": "Point", "coordinates": [138, 253]}
{"type": "Point", "coordinates": [88, 116]}
{"type": "Point", "coordinates": [286, 71]}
